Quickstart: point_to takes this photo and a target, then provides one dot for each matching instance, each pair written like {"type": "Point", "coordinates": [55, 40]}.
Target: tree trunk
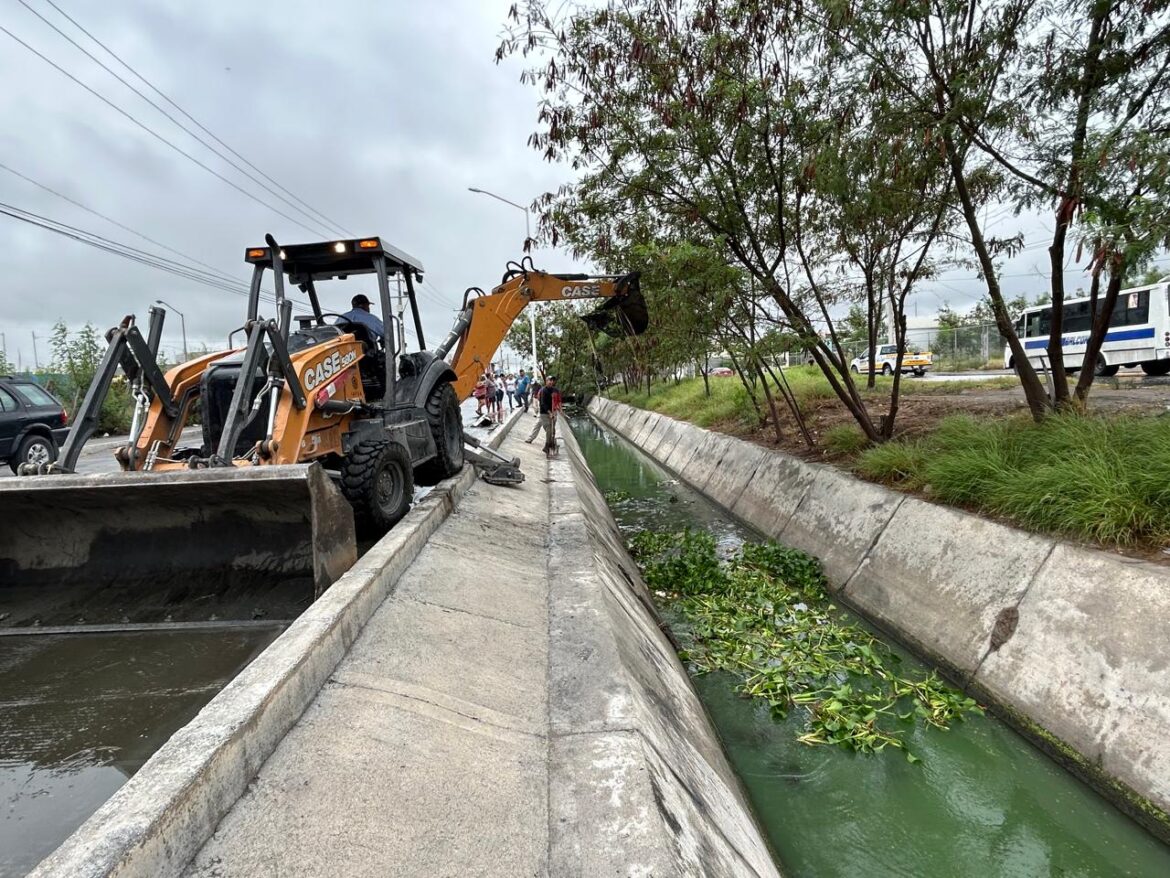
{"type": "Point", "coordinates": [771, 404]}
{"type": "Point", "coordinates": [1056, 332]}
{"type": "Point", "coordinates": [1034, 391]}
{"type": "Point", "coordinates": [1101, 318]}
{"type": "Point", "coordinates": [781, 383]}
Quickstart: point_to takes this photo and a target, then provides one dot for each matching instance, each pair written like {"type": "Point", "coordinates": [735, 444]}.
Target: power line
{"type": "Point", "coordinates": [134, 254]}
{"type": "Point", "coordinates": [108, 219]}
{"type": "Point", "coordinates": [329, 231]}
{"type": "Point", "coordinates": [195, 121]}
{"type": "Point", "coordinates": [152, 132]}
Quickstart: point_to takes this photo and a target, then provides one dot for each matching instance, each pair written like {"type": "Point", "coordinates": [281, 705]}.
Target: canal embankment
{"type": "Point", "coordinates": [1063, 641]}
{"type": "Point", "coordinates": [487, 692]}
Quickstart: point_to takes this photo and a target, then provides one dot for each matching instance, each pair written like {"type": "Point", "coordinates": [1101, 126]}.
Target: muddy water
{"type": "Point", "coordinates": [79, 714]}
{"type": "Point", "coordinates": [983, 802]}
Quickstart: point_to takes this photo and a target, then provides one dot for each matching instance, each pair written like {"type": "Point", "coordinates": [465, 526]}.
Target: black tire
{"type": "Point", "coordinates": [886, 370]}
{"type": "Point", "coordinates": [445, 419]}
{"type": "Point", "coordinates": [1155, 368]}
{"type": "Point", "coordinates": [34, 449]}
{"type": "Point", "coordinates": [378, 481]}
{"type": "Point", "coordinates": [856, 371]}
{"type": "Point", "coordinates": [1101, 370]}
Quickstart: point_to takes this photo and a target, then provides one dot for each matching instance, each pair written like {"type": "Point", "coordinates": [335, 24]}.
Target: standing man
{"type": "Point", "coordinates": [550, 405]}
{"type": "Point", "coordinates": [522, 390]}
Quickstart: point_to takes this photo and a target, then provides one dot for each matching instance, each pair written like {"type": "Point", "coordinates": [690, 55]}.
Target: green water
{"type": "Point", "coordinates": [983, 802]}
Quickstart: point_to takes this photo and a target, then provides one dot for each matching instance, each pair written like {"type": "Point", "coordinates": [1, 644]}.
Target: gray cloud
{"type": "Point", "coordinates": [378, 115]}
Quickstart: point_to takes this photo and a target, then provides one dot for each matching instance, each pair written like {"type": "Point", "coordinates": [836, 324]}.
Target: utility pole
{"type": "Point", "coordinates": [527, 238]}
{"type": "Point", "coordinates": [36, 360]}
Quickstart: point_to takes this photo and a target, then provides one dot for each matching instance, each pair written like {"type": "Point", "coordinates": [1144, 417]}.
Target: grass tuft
{"type": "Point", "coordinates": [844, 439]}
{"type": "Point", "coordinates": [1099, 479]}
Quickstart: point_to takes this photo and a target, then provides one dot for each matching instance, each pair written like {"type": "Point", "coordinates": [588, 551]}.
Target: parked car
{"type": "Point", "coordinates": [722, 372]}
{"type": "Point", "coordinates": [886, 358]}
{"type": "Point", "coordinates": [33, 423]}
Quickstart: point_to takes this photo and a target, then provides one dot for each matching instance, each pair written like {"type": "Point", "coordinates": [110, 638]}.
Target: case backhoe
{"type": "Point", "coordinates": [295, 422]}
{"type": "Point", "coordinates": [368, 419]}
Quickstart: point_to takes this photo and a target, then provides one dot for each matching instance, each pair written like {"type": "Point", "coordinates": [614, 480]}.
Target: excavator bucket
{"type": "Point", "coordinates": [198, 545]}
{"type": "Point", "coordinates": [624, 314]}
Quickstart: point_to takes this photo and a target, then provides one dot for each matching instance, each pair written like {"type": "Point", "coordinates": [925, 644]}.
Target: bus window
{"type": "Point", "coordinates": [1034, 324]}
{"type": "Point", "coordinates": [1077, 317]}
{"type": "Point", "coordinates": [1021, 325]}
{"type": "Point", "coordinates": [1045, 322]}
{"type": "Point", "coordinates": [1131, 308]}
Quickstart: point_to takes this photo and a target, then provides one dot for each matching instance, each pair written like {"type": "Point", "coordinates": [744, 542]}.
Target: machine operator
{"type": "Point", "coordinates": [360, 313]}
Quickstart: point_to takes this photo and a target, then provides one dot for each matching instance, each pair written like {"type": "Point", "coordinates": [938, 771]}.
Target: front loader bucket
{"type": "Point", "coordinates": [198, 545]}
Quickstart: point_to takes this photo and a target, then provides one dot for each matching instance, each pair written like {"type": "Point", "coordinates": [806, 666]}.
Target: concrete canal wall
{"type": "Point", "coordinates": [1068, 643]}
{"type": "Point", "coordinates": [489, 691]}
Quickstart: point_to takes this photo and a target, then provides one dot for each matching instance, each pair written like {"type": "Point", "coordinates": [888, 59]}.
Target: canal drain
{"type": "Point", "coordinates": [981, 801]}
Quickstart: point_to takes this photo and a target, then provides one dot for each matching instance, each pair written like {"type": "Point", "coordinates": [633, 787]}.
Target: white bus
{"type": "Point", "coordinates": [1139, 333]}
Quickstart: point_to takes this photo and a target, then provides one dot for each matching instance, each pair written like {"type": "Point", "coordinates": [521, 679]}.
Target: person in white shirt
{"type": "Point", "coordinates": [510, 389]}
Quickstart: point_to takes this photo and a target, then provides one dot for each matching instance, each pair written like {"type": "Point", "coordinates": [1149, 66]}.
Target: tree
{"type": "Point", "coordinates": [1083, 130]}
{"type": "Point", "coordinates": [76, 356]}
{"type": "Point", "coordinates": [711, 119]}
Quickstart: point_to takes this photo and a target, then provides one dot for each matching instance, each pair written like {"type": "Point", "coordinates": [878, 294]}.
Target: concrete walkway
{"type": "Point", "coordinates": [511, 709]}
{"type": "Point", "coordinates": [425, 752]}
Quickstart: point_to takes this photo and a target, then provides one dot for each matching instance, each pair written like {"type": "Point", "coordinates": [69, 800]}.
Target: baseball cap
{"type": "Point", "coordinates": [358, 300]}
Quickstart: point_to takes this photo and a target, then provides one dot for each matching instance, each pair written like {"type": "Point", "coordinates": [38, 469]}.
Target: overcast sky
{"type": "Point", "coordinates": [378, 115]}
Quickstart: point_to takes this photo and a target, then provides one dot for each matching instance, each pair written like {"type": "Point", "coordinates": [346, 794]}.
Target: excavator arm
{"type": "Point", "coordinates": [486, 317]}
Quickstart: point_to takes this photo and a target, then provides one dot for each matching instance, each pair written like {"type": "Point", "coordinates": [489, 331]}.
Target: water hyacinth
{"type": "Point", "coordinates": [764, 614]}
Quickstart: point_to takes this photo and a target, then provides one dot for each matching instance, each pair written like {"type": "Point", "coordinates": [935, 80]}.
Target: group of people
{"type": "Point", "coordinates": [521, 391]}
{"type": "Point", "coordinates": [494, 387]}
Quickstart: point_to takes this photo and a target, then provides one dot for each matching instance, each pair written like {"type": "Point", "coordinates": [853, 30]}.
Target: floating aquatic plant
{"type": "Point", "coordinates": [765, 615]}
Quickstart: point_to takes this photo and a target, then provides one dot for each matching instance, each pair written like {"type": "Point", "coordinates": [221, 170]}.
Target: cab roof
{"type": "Point", "coordinates": [326, 260]}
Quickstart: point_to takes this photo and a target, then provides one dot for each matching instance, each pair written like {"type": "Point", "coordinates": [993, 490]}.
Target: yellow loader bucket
{"type": "Point", "coordinates": [199, 545]}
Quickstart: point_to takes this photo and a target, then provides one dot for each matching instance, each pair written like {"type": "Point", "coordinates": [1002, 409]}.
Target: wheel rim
{"type": "Point", "coordinates": [388, 489]}
{"type": "Point", "coordinates": [38, 453]}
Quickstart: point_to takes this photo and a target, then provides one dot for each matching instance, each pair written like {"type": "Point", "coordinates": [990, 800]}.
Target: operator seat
{"type": "Point", "coordinates": [372, 365]}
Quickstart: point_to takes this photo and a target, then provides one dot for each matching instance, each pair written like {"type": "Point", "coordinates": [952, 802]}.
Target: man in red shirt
{"type": "Point", "coordinates": [548, 406]}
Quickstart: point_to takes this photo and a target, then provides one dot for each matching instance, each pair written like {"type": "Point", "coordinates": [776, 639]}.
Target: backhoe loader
{"type": "Point", "coordinates": [369, 421]}
{"type": "Point", "coordinates": [294, 423]}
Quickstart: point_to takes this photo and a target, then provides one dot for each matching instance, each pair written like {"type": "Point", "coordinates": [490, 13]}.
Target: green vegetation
{"type": "Point", "coordinates": [1099, 479]}
{"type": "Point", "coordinates": [730, 404]}
{"type": "Point", "coordinates": [765, 616]}
{"type": "Point", "coordinates": [844, 439]}
{"type": "Point", "coordinates": [76, 356]}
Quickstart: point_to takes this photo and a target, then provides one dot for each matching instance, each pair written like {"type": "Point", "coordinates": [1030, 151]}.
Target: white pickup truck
{"type": "Point", "coordinates": [886, 358]}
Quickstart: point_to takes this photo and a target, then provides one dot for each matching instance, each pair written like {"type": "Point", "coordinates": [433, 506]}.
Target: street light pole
{"type": "Point", "coordinates": [182, 323]}
{"type": "Point", "coordinates": [527, 238]}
